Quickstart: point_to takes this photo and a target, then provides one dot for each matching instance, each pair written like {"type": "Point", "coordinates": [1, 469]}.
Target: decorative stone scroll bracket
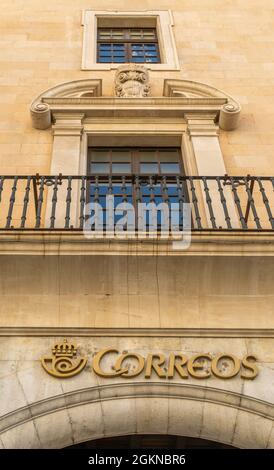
{"type": "Point", "coordinates": [229, 116]}
{"type": "Point", "coordinates": [229, 112]}
{"type": "Point", "coordinates": [40, 110]}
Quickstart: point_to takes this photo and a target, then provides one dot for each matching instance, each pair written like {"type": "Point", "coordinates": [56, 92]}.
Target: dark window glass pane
{"type": "Point", "coordinates": [121, 156]}
{"type": "Point", "coordinates": [149, 168]}
{"type": "Point", "coordinates": [105, 53]}
{"type": "Point", "coordinates": [156, 190]}
{"type": "Point", "coordinates": [118, 46]}
{"type": "Point", "coordinates": [103, 189]}
{"type": "Point", "coordinates": [118, 189]}
{"type": "Point", "coordinates": [168, 156]}
{"type": "Point", "coordinates": [118, 53]}
{"type": "Point", "coordinates": [169, 168]}
{"type": "Point", "coordinates": [97, 168]}
{"type": "Point", "coordinates": [138, 54]}
{"type": "Point", "coordinates": [137, 59]}
{"type": "Point", "coordinates": [147, 156]}
{"type": "Point", "coordinates": [150, 54]}
{"type": "Point", "coordinates": [150, 46]}
{"type": "Point", "coordinates": [137, 47]}
{"type": "Point", "coordinates": [120, 168]}
{"type": "Point", "coordinates": [118, 59]}
{"type": "Point", "coordinates": [172, 191]}
{"type": "Point", "coordinates": [104, 59]}
{"type": "Point", "coordinates": [99, 156]}
{"type": "Point", "coordinates": [105, 47]}
{"type": "Point", "coordinates": [151, 59]}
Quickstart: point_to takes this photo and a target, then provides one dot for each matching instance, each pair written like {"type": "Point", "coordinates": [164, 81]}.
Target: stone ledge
{"type": "Point", "coordinates": [139, 332]}
{"type": "Point", "coordinates": [234, 243]}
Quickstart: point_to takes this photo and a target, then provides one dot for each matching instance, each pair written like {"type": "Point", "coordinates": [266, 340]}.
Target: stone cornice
{"type": "Point", "coordinates": [135, 107]}
{"type": "Point", "coordinates": [135, 102]}
{"type": "Point", "coordinates": [126, 107]}
{"type": "Point", "coordinates": [223, 243]}
{"type": "Point", "coordinates": [138, 332]}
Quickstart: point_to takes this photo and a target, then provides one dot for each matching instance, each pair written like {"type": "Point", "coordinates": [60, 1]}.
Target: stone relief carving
{"type": "Point", "coordinates": [132, 81]}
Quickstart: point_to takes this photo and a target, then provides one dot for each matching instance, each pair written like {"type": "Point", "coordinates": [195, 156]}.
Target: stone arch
{"type": "Point", "coordinates": [140, 408]}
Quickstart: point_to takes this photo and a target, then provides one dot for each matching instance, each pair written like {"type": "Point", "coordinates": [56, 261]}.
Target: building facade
{"type": "Point", "coordinates": [136, 331]}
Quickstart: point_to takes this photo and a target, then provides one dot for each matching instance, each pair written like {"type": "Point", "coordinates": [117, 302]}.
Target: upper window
{"type": "Point", "coordinates": [123, 45]}
{"type": "Point", "coordinates": [112, 38]}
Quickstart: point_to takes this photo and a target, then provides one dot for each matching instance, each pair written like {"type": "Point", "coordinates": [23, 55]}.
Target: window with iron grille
{"type": "Point", "coordinates": [133, 175]}
{"type": "Point", "coordinates": [123, 45]}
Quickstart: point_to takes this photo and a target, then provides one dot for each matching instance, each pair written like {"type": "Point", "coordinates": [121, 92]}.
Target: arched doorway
{"type": "Point", "coordinates": [189, 412]}
{"type": "Point", "coordinates": [150, 441]}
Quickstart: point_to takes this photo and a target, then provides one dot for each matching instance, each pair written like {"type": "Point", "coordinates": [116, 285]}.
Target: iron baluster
{"type": "Point", "coordinates": [82, 202]}
{"type": "Point", "coordinates": [136, 198]}
{"type": "Point", "coordinates": [181, 199]}
{"type": "Point", "coordinates": [12, 200]}
{"type": "Point", "coordinates": [26, 202]}
{"type": "Point", "coordinates": [1, 185]}
{"type": "Point", "coordinates": [209, 203]}
{"type": "Point", "coordinates": [110, 186]}
{"type": "Point", "coordinates": [266, 202]}
{"type": "Point", "coordinates": [136, 182]}
{"type": "Point", "coordinates": [96, 190]}
{"type": "Point", "coordinates": [238, 204]}
{"type": "Point", "coordinates": [165, 190]}
{"type": "Point", "coordinates": [124, 189]}
{"type": "Point", "coordinates": [195, 204]}
{"type": "Point", "coordinates": [40, 202]}
{"type": "Point", "coordinates": [68, 202]}
{"type": "Point", "coordinates": [151, 190]}
{"type": "Point", "coordinates": [53, 203]}
{"type": "Point", "coordinates": [109, 214]}
{"type": "Point", "coordinates": [252, 205]}
{"type": "Point", "coordinates": [223, 201]}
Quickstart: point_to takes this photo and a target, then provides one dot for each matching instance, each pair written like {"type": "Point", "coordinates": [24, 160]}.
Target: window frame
{"type": "Point", "coordinates": [127, 41]}
{"type": "Point", "coordinates": [162, 20]}
{"type": "Point", "coordinates": [135, 160]}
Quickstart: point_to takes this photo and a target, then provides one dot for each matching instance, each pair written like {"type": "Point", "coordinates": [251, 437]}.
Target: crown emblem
{"type": "Point", "coordinates": [64, 349]}
{"type": "Point", "coordinates": [63, 362]}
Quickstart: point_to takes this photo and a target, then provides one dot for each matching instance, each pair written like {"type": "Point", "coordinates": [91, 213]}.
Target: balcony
{"type": "Point", "coordinates": [52, 211]}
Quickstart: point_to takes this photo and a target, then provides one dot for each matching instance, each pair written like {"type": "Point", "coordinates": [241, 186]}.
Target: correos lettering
{"type": "Point", "coordinates": [200, 366]}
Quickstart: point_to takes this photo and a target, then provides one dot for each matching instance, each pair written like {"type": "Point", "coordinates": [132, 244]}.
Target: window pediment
{"type": "Point", "coordinates": [180, 97]}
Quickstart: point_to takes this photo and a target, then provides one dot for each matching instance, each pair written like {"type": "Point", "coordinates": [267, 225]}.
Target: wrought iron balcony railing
{"type": "Point", "coordinates": [59, 202]}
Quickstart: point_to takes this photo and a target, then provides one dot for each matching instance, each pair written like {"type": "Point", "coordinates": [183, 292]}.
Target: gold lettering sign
{"type": "Point", "coordinates": [110, 363]}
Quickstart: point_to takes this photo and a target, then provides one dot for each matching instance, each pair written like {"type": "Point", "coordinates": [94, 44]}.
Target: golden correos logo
{"type": "Point", "coordinates": [63, 362]}
{"type": "Point", "coordinates": [110, 363]}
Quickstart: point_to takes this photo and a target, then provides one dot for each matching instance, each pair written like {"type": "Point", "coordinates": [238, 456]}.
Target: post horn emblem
{"type": "Point", "coordinates": [63, 363]}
